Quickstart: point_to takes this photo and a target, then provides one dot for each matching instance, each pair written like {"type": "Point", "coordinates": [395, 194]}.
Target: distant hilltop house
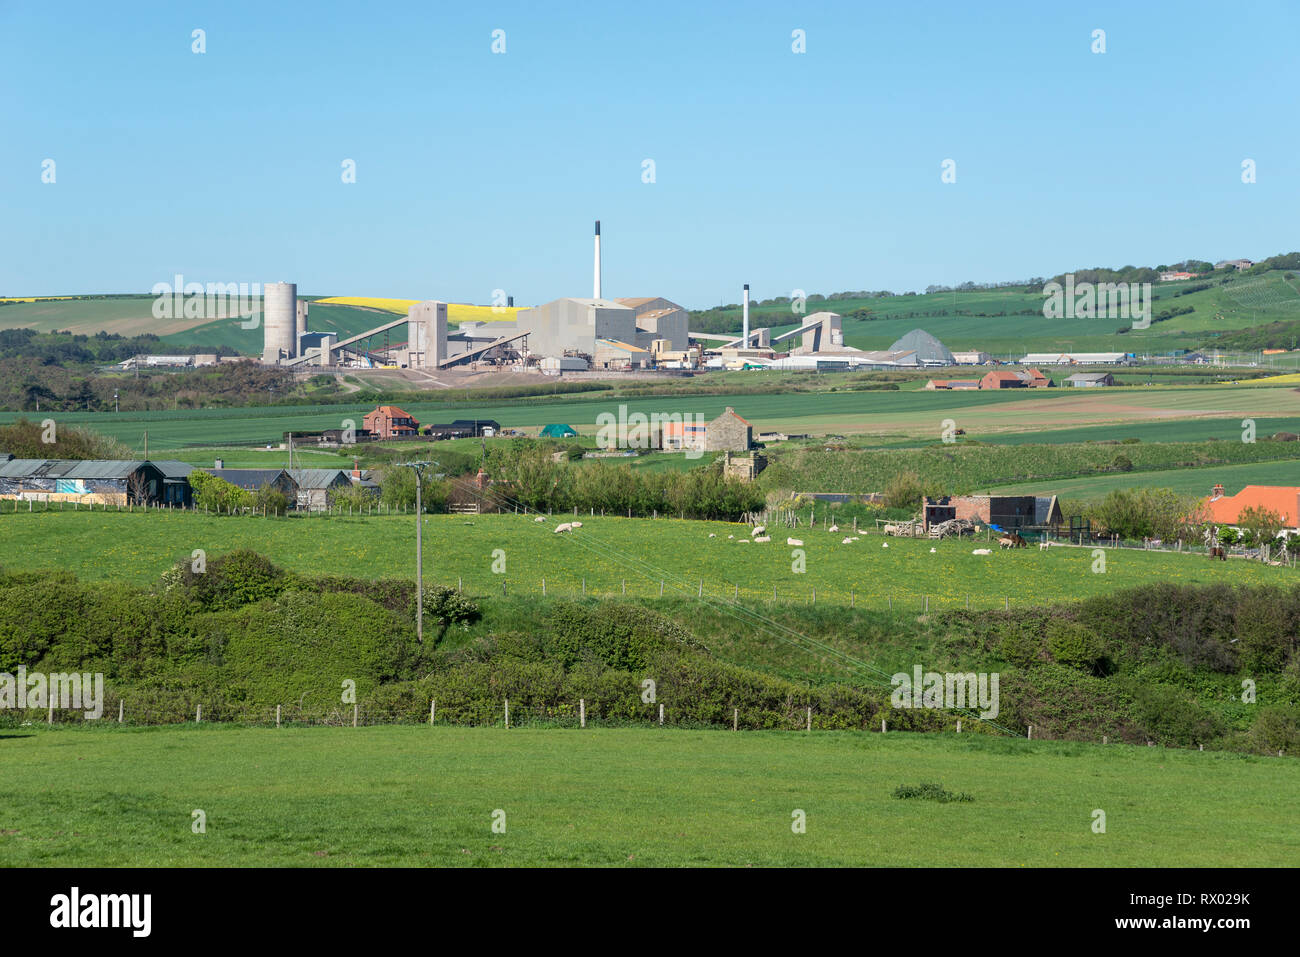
{"type": "Point", "coordinates": [1090, 380]}
{"type": "Point", "coordinates": [1237, 264]}
{"type": "Point", "coordinates": [1282, 499]}
{"type": "Point", "coordinates": [390, 422]}
{"type": "Point", "coordinates": [1177, 276]}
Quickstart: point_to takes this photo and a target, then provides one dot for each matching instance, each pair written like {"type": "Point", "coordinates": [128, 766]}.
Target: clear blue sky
{"type": "Point", "coordinates": [477, 171]}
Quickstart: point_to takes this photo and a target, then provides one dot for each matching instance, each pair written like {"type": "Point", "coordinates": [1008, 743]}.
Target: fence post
{"type": "Point", "coordinates": [661, 714]}
{"type": "Point", "coordinates": [882, 725]}
{"type": "Point", "coordinates": [701, 592]}
{"type": "Point", "coordinates": [433, 709]}
{"type": "Point", "coordinates": [121, 710]}
{"type": "Point", "coordinates": [198, 714]}
{"type": "Point", "coordinates": [50, 720]}
{"type": "Point", "coordinates": [584, 586]}
{"type": "Point", "coordinates": [507, 701]}
{"type": "Point", "coordinates": [661, 588]}
{"type": "Point", "coordinates": [735, 719]}
{"type": "Point", "coordinates": [810, 717]}
{"type": "Point", "coordinates": [814, 601]}
{"type": "Point", "coordinates": [459, 584]}
{"type": "Point", "coordinates": [277, 716]}
{"type": "Point", "coordinates": [354, 714]}
{"type": "Point", "coordinates": [624, 586]}
{"type": "Point", "coordinates": [927, 604]}
{"type": "Point", "coordinates": [959, 725]}
{"type": "Point", "coordinates": [582, 712]}
{"type": "Point", "coordinates": [543, 587]}
{"type": "Point", "coordinates": [1031, 733]}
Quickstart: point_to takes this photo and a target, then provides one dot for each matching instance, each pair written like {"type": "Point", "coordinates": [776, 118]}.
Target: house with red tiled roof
{"type": "Point", "coordinates": [1036, 380]}
{"type": "Point", "coordinates": [390, 422]}
{"type": "Point", "coordinates": [1282, 499]}
{"type": "Point", "coordinates": [1003, 380]}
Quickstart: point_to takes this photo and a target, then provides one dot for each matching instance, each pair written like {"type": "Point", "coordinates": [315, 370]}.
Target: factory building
{"type": "Point", "coordinates": [659, 318]}
{"type": "Point", "coordinates": [573, 325]}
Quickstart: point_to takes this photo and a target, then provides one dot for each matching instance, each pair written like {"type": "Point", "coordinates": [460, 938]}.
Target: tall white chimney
{"type": "Point", "coordinates": [595, 294]}
{"type": "Point", "coordinates": [744, 342]}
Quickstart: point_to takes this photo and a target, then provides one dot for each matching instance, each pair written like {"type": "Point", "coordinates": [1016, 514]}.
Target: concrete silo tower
{"type": "Point", "coordinates": [279, 320]}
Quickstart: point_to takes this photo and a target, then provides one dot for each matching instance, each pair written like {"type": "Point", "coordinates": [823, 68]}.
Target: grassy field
{"type": "Point", "coordinates": [606, 552]}
{"type": "Point", "coordinates": [915, 414]}
{"type": "Point", "coordinates": [419, 796]}
{"type": "Point", "coordinates": [1192, 481]}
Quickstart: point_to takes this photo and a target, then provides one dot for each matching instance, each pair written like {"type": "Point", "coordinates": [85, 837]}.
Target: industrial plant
{"type": "Point", "coordinates": [568, 335]}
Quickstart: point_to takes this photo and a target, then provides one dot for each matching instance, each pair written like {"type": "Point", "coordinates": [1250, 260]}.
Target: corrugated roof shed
{"type": "Point", "coordinates": [70, 468]}
{"type": "Point", "coordinates": [318, 478]}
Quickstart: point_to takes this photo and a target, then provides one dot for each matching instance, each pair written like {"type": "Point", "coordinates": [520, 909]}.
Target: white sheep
{"type": "Point", "coordinates": [793, 541]}
{"type": "Point", "coordinates": [933, 550]}
{"type": "Point", "coordinates": [762, 538]}
{"type": "Point", "coordinates": [731, 536]}
{"type": "Point", "coordinates": [540, 518]}
{"type": "Point", "coordinates": [834, 528]}
{"type": "Point", "coordinates": [758, 530]}
{"type": "Point", "coordinates": [564, 527]}
{"type": "Point", "coordinates": [711, 535]}
{"type": "Point", "coordinates": [743, 541]}
{"type": "Point", "coordinates": [575, 524]}
{"type": "Point", "coordinates": [982, 551]}
{"type": "Point", "coordinates": [846, 541]}
{"type": "Point", "coordinates": [884, 544]}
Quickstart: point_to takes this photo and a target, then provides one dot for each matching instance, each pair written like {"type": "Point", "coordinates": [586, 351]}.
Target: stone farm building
{"type": "Point", "coordinates": [88, 482]}
{"type": "Point", "coordinates": [727, 433]}
{"type": "Point", "coordinates": [1019, 513]}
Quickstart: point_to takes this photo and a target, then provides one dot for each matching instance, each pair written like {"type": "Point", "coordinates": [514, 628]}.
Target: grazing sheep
{"type": "Point", "coordinates": [884, 544]}
{"type": "Point", "coordinates": [834, 528]}
{"type": "Point", "coordinates": [540, 518]}
{"type": "Point", "coordinates": [758, 530]}
{"type": "Point", "coordinates": [711, 535]}
{"type": "Point", "coordinates": [846, 541]}
{"type": "Point", "coordinates": [564, 527]}
{"type": "Point", "coordinates": [576, 524]}
{"type": "Point", "coordinates": [762, 538]}
{"type": "Point", "coordinates": [793, 541]}
{"type": "Point", "coordinates": [933, 550]}
{"type": "Point", "coordinates": [731, 536]}
{"type": "Point", "coordinates": [982, 551]}
{"type": "Point", "coordinates": [891, 529]}
{"type": "Point", "coordinates": [743, 541]}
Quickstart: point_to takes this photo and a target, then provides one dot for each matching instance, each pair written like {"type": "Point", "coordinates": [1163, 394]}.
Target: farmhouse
{"type": "Point", "coordinates": [1281, 499]}
{"type": "Point", "coordinates": [390, 422]}
{"type": "Point", "coordinates": [729, 432]}
{"type": "Point", "coordinates": [1090, 380]}
{"type": "Point", "coordinates": [1019, 513]}
{"type": "Point", "coordinates": [1003, 380]}
{"type": "Point", "coordinates": [88, 482]}
{"type": "Point", "coordinates": [176, 483]}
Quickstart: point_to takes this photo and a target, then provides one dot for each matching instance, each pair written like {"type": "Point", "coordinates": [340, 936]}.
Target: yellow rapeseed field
{"type": "Point", "coordinates": [457, 312]}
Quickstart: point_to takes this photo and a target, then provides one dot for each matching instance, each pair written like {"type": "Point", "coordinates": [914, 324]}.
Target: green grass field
{"type": "Point", "coordinates": [902, 414]}
{"type": "Point", "coordinates": [420, 796]}
{"type": "Point", "coordinates": [606, 552]}
{"type": "Point", "coordinates": [1233, 478]}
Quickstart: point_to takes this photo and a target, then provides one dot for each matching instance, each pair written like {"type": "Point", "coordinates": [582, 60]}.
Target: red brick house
{"type": "Point", "coordinates": [390, 422]}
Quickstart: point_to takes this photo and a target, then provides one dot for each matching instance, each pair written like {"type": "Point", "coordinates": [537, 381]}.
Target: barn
{"type": "Point", "coordinates": [87, 481]}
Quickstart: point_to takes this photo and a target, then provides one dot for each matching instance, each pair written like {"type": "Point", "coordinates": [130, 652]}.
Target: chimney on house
{"type": "Point", "coordinates": [1216, 493]}
{"type": "Point", "coordinates": [356, 470]}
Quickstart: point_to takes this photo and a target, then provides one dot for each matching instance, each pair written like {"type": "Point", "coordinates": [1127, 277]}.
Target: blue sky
{"type": "Point", "coordinates": [477, 171]}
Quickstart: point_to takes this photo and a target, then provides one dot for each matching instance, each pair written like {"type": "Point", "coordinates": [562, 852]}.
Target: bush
{"type": "Point", "coordinates": [1074, 646]}
{"type": "Point", "coordinates": [930, 792]}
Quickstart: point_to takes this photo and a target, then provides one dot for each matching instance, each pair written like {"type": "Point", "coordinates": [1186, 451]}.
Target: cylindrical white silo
{"type": "Point", "coordinates": [300, 327]}
{"type": "Point", "coordinates": [279, 319]}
